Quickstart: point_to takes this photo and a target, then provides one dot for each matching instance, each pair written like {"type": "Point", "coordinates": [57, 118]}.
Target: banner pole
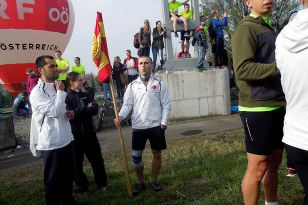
{"type": "Point", "coordinates": [122, 145]}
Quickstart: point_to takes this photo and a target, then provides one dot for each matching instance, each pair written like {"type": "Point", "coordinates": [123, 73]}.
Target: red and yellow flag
{"type": "Point", "coordinates": [100, 51]}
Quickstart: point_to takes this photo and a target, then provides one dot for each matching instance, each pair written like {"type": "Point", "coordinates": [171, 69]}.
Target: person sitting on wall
{"type": "Point", "coordinates": [21, 106]}
{"type": "Point", "coordinates": [175, 17]}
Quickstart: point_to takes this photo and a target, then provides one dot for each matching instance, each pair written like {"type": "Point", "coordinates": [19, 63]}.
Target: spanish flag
{"type": "Point", "coordinates": [100, 51]}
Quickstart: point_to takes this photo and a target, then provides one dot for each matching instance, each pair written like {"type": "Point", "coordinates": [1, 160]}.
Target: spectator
{"type": "Point", "coordinates": [32, 80]}
{"type": "Point", "coordinates": [175, 17]}
{"type": "Point", "coordinates": [201, 43]}
{"type": "Point", "coordinates": [184, 54]}
{"type": "Point", "coordinates": [145, 39]}
{"type": "Point", "coordinates": [291, 58]}
{"type": "Point", "coordinates": [51, 136]}
{"type": "Point", "coordinates": [261, 101]}
{"type": "Point", "coordinates": [218, 27]}
{"type": "Point", "coordinates": [78, 68]}
{"type": "Point", "coordinates": [21, 106]}
{"type": "Point", "coordinates": [148, 99]}
{"type": "Point", "coordinates": [159, 34]}
{"type": "Point", "coordinates": [131, 63]}
{"type": "Point", "coordinates": [186, 15]}
{"type": "Point", "coordinates": [85, 139]}
{"type": "Point", "coordinates": [63, 66]}
{"type": "Point", "coordinates": [118, 70]}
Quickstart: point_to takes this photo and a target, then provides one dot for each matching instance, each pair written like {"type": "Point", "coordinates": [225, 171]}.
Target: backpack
{"type": "Point", "coordinates": [136, 40]}
{"type": "Point", "coordinates": [211, 30]}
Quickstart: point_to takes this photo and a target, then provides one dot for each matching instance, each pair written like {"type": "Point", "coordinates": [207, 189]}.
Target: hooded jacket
{"type": "Point", "coordinates": [257, 77]}
{"type": "Point", "coordinates": [291, 58]}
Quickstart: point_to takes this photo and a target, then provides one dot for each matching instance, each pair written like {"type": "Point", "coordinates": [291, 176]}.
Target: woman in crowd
{"type": "Point", "coordinates": [158, 44]}
{"type": "Point", "coordinates": [145, 39]}
{"type": "Point", "coordinates": [86, 142]}
{"type": "Point", "coordinates": [118, 73]}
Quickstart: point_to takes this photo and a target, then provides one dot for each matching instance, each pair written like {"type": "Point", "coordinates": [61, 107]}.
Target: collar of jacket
{"type": "Point", "coordinates": [140, 81]}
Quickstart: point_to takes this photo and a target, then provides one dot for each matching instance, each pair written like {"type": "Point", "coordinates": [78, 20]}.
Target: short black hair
{"type": "Point", "coordinates": [24, 94]}
{"type": "Point", "coordinates": [148, 57]}
{"type": "Point", "coordinates": [186, 4]}
{"type": "Point", "coordinates": [58, 51]}
{"type": "Point", "coordinates": [78, 58]}
{"type": "Point", "coordinates": [128, 51]}
{"type": "Point", "coordinates": [41, 61]}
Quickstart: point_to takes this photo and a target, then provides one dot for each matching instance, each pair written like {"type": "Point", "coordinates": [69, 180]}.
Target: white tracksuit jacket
{"type": "Point", "coordinates": [292, 61]}
{"type": "Point", "coordinates": [50, 128]}
{"type": "Point", "coordinates": [151, 105]}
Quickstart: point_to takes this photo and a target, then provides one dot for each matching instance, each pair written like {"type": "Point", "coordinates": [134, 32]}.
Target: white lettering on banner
{"type": "Point", "coordinates": [21, 10]}
{"type": "Point", "coordinates": [3, 7]}
{"type": "Point", "coordinates": [55, 15]}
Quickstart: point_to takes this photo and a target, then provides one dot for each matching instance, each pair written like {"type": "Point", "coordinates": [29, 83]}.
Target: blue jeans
{"type": "Point", "coordinates": [201, 56]}
{"type": "Point", "coordinates": [120, 88]}
{"type": "Point", "coordinates": [155, 52]}
{"type": "Point", "coordinates": [145, 51]}
{"type": "Point", "coordinates": [106, 91]}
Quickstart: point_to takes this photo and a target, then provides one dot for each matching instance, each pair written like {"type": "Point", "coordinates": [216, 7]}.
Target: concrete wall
{"type": "Point", "coordinates": [198, 94]}
{"type": "Point", "coordinates": [7, 134]}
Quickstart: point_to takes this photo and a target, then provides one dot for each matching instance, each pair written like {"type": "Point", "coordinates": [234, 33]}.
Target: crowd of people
{"type": "Point", "coordinates": [272, 100]}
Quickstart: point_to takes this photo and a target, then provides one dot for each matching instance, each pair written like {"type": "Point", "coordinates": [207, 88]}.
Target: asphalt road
{"type": "Point", "coordinates": [109, 139]}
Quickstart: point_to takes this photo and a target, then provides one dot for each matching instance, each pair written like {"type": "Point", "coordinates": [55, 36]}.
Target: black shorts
{"type": "Point", "coordinates": [183, 38]}
{"type": "Point", "coordinates": [156, 136]}
{"type": "Point", "coordinates": [263, 131]}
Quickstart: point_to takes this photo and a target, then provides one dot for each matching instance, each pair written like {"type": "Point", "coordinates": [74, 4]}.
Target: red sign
{"type": "Point", "coordinates": [46, 15]}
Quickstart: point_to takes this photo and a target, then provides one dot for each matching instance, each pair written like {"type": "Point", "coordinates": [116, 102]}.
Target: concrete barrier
{"type": "Point", "coordinates": [7, 134]}
{"type": "Point", "coordinates": [198, 94]}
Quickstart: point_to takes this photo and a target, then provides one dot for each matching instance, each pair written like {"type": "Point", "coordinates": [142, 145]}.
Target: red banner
{"type": "Point", "coordinates": [100, 50]}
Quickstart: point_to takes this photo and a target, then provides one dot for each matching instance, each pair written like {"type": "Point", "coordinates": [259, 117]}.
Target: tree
{"type": "Point", "coordinates": [237, 10]}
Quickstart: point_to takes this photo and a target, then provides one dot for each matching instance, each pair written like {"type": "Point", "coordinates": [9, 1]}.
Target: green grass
{"type": "Point", "coordinates": [198, 171]}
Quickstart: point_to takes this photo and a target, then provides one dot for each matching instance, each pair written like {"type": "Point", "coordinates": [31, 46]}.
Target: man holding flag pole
{"type": "Point", "coordinates": [149, 100]}
{"type": "Point", "coordinates": [101, 59]}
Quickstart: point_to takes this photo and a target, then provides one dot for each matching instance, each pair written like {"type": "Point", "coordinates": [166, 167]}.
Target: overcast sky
{"type": "Point", "coordinates": [122, 19]}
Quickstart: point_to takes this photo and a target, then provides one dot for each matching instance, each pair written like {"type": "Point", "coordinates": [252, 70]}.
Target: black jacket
{"type": "Point", "coordinates": [117, 70]}
{"type": "Point", "coordinates": [82, 125]}
{"type": "Point", "coordinates": [158, 40]}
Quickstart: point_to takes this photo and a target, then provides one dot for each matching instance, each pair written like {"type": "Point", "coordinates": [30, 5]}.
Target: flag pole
{"type": "Point", "coordinates": [127, 176]}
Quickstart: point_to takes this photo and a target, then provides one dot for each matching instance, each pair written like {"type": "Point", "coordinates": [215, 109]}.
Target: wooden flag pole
{"type": "Point", "coordinates": [127, 176]}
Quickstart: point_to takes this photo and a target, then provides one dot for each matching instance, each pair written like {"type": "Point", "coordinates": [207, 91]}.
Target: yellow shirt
{"type": "Point", "coordinates": [188, 14]}
{"type": "Point", "coordinates": [78, 69]}
{"type": "Point", "coordinates": [62, 64]}
{"type": "Point", "coordinates": [174, 7]}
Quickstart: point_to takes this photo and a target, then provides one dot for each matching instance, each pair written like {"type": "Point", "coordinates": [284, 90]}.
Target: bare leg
{"type": "Point", "coordinates": [256, 168]}
{"type": "Point", "coordinates": [156, 164]}
{"type": "Point", "coordinates": [140, 175]}
{"type": "Point", "coordinates": [270, 179]}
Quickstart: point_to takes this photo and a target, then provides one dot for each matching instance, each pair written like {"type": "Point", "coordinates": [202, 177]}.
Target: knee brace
{"type": "Point", "coordinates": [137, 158]}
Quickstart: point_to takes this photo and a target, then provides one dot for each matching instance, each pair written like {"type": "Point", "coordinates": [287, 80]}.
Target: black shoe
{"type": "Point", "coordinates": [176, 34]}
{"type": "Point", "coordinates": [138, 188]}
{"type": "Point", "coordinates": [156, 186]}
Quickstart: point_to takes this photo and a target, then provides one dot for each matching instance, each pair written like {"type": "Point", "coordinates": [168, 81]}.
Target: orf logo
{"type": "Point", "coordinates": [49, 15]}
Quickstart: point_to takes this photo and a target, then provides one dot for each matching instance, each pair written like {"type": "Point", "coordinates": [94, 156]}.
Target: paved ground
{"type": "Point", "coordinates": [109, 139]}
